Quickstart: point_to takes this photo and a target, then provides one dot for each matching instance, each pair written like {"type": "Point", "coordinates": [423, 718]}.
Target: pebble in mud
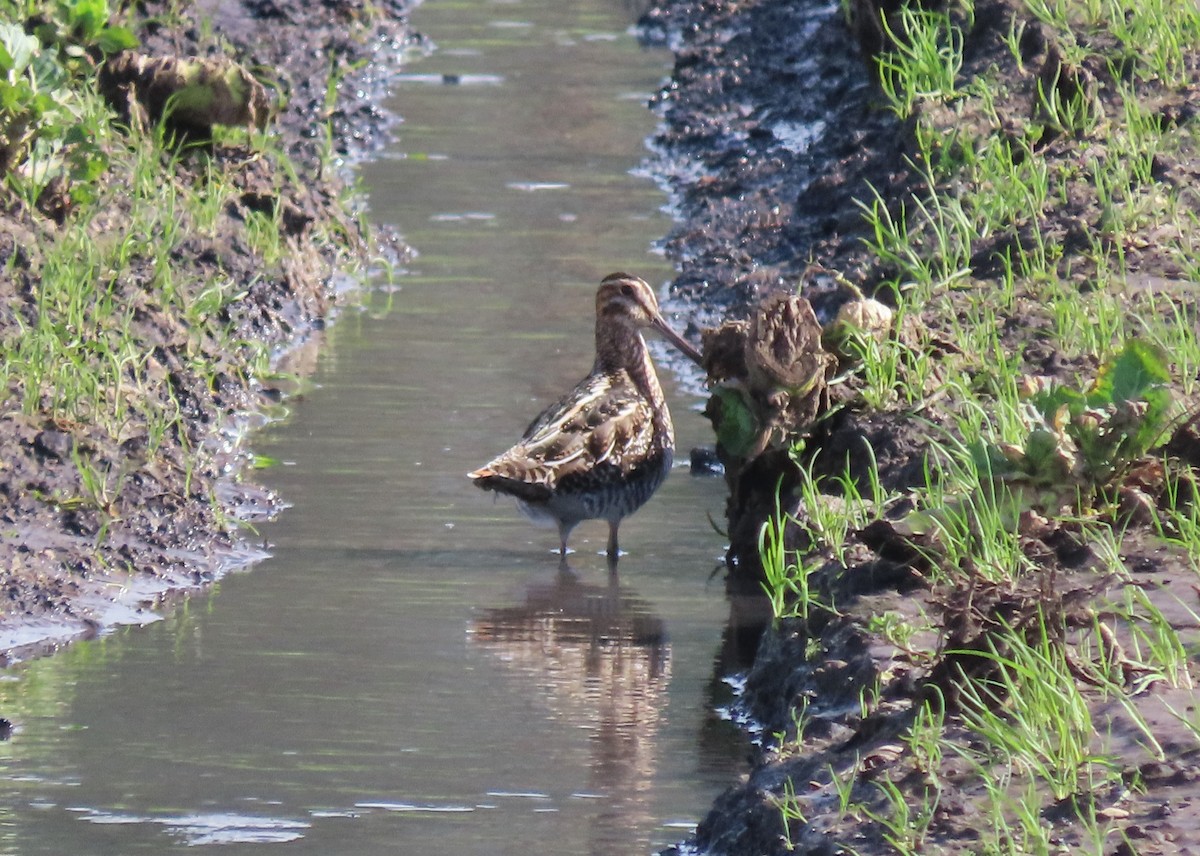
{"type": "Point", "coordinates": [703, 461]}
{"type": "Point", "coordinates": [53, 444]}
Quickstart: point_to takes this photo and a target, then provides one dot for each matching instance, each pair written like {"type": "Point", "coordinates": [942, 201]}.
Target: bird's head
{"type": "Point", "coordinates": [626, 300]}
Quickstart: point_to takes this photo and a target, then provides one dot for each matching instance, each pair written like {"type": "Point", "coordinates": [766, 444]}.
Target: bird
{"type": "Point", "coordinates": [603, 449]}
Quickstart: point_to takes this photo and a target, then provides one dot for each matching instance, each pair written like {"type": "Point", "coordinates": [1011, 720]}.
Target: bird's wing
{"type": "Point", "coordinates": [604, 420]}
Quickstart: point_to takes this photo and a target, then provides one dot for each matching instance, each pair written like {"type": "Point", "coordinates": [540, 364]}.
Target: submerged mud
{"type": "Point", "coordinates": [77, 557]}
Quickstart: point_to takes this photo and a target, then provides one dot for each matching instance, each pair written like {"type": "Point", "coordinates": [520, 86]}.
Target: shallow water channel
{"type": "Point", "coordinates": [410, 673]}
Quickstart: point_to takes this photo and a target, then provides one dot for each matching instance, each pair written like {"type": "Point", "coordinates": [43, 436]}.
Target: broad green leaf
{"type": "Point", "coordinates": [19, 47]}
{"type": "Point", "coordinates": [991, 462]}
{"type": "Point", "coordinates": [1139, 367]}
{"type": "Point", "coordinates": [1152, 428]}
{"type": "Point", "coordinates": [10, 99]}
{"type": "Point", "coordinates": [47, 72]}
{"type": "Point", "coordinates": [87, 17]}
{"type": "Point", "coordinates": [1051, 400]}
{"type": "Point", "coordinates": [1046, 458]}
{"type": "Point", "coordinates": [116, 39]}
{"type": "Point", "coordinates": [738, 429]}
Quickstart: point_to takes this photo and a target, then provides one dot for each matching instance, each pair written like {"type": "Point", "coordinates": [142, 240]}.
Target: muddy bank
{"type": "Point", "coordinates": [777, 138]}
{"type": "Point", "coordinates": [771, 132]}
{"type": "Point", "coordinates": [105, 517]}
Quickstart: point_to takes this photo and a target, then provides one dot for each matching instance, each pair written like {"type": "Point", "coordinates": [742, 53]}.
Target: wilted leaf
{"type": "Point", "coordinates": [195, 93]}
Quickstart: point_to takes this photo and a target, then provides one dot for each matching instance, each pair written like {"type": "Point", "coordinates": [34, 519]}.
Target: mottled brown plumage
{"type": "Point", "coordinates": [602, 449]}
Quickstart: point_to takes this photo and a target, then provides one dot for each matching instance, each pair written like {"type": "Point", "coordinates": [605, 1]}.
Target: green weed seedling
{"type": "Point", "coordinates": [775, 564]}
{"type": "Point", "coordinates": [790, 812]}
{"type": "Point", "coordinates": [100, 487]}
{"type": "Point", "coordinates": [905, 820]}
{"type": "Point", "coordinates": [892, 371]}
{"type": "Point", "coordinates": [843, 786]}
{"type": "Point", "coordinates": [925, 738]}
{"type": "Point", "coordinates": [1032, 712]}
{"type": "Point", "coordinates": [924, 62]}
{"type": "Point", "coordinates": [1075, 113]}
{"type": "Point", "coordinates": [827, 523]}
{"type": "Point", "coordinates": [969, 516]}
{"type": "Point", "coordinates": [1179, 522]}
{"type": "Point", "coordinates": [896, 630]}
{"type": "Point", "coordinates": [788, 580]}
{"type": "Point", "coordinates": [800, 719]}
{"type": "Point", "coordinates": [1188, 718]}
{"type": "Point", "coordinates": [1156, 649]}
{"type": "Point", "coordinates": [1034, 834]}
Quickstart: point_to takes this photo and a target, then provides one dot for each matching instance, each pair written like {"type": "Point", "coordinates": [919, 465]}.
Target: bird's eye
{"type": "Point", "coordinates": [627, 290]}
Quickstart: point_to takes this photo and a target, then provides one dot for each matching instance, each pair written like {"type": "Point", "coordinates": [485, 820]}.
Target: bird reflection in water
{"type": "Point", "coordinates": [602, 660]}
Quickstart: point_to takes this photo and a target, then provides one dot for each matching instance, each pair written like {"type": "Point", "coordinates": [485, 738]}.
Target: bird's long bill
{"type": "Point", "coordinates": [678, 341]}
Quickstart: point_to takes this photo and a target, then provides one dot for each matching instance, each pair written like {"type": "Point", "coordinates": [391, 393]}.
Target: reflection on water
{"type": "Point", "coordinates": [600, 659]}
{"type": "Point", "coordinates": [409, 673]}
{"type": "Point", "coordinates": [211, 828]}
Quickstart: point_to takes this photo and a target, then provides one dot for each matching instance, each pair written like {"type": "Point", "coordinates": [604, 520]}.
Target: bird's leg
{"type": "Point", "coordinates": [564, 530]}
{"type": "Point", "coordinates": [613, 550]}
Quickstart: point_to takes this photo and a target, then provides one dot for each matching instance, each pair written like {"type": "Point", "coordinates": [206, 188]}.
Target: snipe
{"type": "Point", "coordinates": [606, 446]}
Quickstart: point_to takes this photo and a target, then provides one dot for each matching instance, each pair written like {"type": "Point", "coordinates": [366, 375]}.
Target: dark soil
{"type": "Point", "coordinates": [760, 207]}
{"type": "Point", "coordinates": [68, 568]}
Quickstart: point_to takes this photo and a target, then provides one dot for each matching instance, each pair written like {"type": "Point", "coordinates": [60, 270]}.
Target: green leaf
{"type": "Point", "coordinates": [87, 17]}
{"type": "Point", "coordinates": [1139, 368]}
{"type": "Point", "coordinates": [47, 72]}
{"type": "Point", "coordinates": [738, 429]}
{"type": "Point", "coordinates": [989, 461]}
{"type": "Point", "coordinates": [78, 134]}
{"type": "Point", "coordinates": [1049, 401]}
{"type": "Point", "coordinates": [10, 98]}
{"type": "Point", "coordinates": [19, 47]}
{"type": "Point", "coordinates": [88, 165]}
{"type": "Point", "coordinates": [83, 194]}
{"type": "Point", "coordinates": [116, 39]}
{"type": "Point", "coordinates": [1151, 429]}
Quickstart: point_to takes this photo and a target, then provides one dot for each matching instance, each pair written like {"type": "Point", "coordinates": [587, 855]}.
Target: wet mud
{"type": "Point", "coordinates": [772, 126]}
{"type": "Point", "coordinates": [166, 519]}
